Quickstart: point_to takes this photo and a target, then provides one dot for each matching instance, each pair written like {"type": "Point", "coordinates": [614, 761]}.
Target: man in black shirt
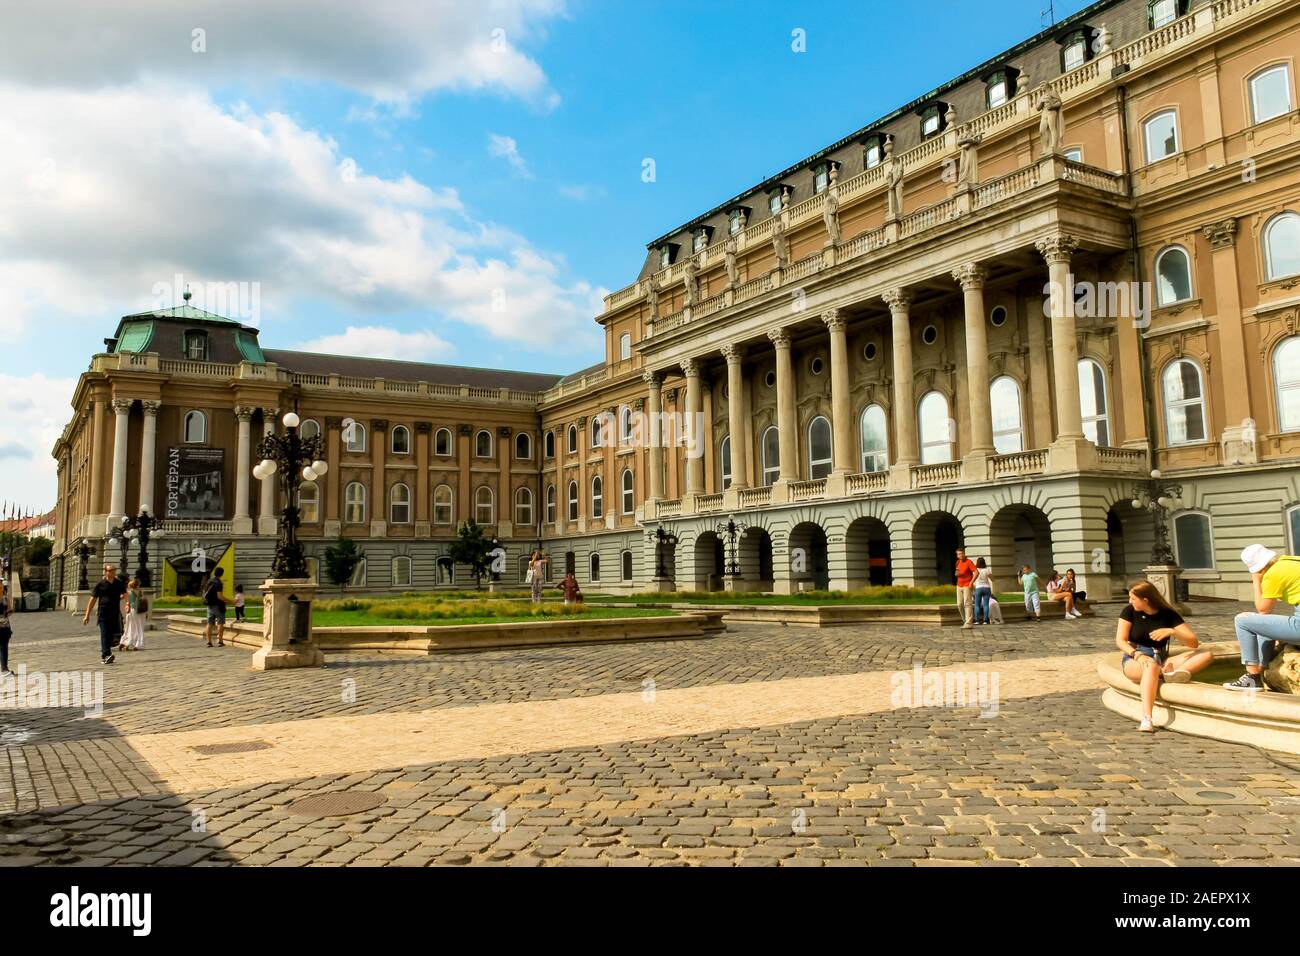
{"type": "Point", "coordinates": [108, 595]}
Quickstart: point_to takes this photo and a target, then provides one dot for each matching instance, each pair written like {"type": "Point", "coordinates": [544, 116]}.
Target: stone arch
{"type": "Point", "coordinates": [1019, 534]}
{"type": "Point", "coordinates": [867, 553]}
{"type": "Point", "coordinates": [808, 554]}
{"type": "Point", "coordinates": [709, 561]}
{"type": "Point", "coordinates": [936, 535]}
{"type": "Point", "coordinates": [755, 556]}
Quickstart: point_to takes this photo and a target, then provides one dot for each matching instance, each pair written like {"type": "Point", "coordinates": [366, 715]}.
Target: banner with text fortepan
{"type": "Point", "coordinates": [194, 488]}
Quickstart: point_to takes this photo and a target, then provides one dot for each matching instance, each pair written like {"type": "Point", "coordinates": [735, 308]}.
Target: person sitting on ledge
{"type": "Point", "coordinates": [1145, 626]}
{"type": "Point", "coordinates": [1273, 578]}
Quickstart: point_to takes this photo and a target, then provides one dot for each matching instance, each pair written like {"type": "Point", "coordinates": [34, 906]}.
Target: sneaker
{"type": "Point", "coordinates": [1146, 726]}
{"type": "Point", "coordinates": [1180, 676]}
{"type": "Point", "coordinates": [109, 659]}
{"type": "Point", "coordinates": [1076, 613]}
{"type": "Point", "coordinates": [1246, 682]}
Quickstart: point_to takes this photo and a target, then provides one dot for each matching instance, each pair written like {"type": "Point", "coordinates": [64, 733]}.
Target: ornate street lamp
{"type": "Point", "coordinates": [730, 531]}
{"type": "Point", "coordinates": [141, 528]}
{"type": "Point", "coordinates": [661, 539]}
{"type": "Point", "coordinates": [119, 536]}
{"type": "Point", "coordinates": [1159, 497]}
{"type": "Point", "coordinates": [83, 566]}
{"type": "Point", "coordinates": [295, 459]}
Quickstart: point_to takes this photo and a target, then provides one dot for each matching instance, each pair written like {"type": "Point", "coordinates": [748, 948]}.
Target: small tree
{"type": "Point", "coordinates": [473, 549]}
{"type": "Point", "coordinates": [341, 560]}
{"type": "Point", "coordinates": [38, 552]}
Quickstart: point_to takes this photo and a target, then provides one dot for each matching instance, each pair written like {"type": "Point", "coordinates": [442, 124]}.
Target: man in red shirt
{"type": "Point", "coordinates": [965, 577]}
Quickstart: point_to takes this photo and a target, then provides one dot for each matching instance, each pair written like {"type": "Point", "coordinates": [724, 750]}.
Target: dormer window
{"type": "Point", "coordinates": [667, 253]}
{"type": "Point", "coordinates": [737, 220]}
{"type": "Point", "coordinates": [774, 199]}
{"type": "Point", "coordinates": [196, 346]}
{"type": "Point", "coordinates": [1075, 50]}
{"type": "Point", "coordinates": [999, 87]}
{"type": "Point", "coordinates": [1163, 12]}
{"type": "Point", "coordinates": [821, 177]}
{"type": "Point", "coordinates": [700, 238]}
{"type": "Point", "coordinates": [932, 120]}
{"type": "Point", "coordinates": [873, 153]}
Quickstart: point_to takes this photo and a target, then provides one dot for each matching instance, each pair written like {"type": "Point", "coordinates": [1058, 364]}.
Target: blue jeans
{"type": "Point", "coordinates": [982, 598]}
{"type": "Point", "coordinates": [110, 631]}
{"type": "Point", "coordinates": [1256, 631]}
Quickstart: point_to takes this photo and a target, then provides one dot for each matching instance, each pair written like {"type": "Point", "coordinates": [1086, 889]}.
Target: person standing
{"type": "Point", "coordinates": [133, 633]}
{"type": "Point", "coordinates": [6, 630]}
{"type": "Point", "coordinates": [965, 571]}
{"type": "Point", "coordinates": [983, 584]}
{"type": "Point", "coordinates": [1145, 626]}
{"type": "Point", "coordinates": [536, 575]}
{"type": "Point", "coordinates": [239, 603]}
{"type": "Point", "coordinates": [1029, 582]}
{"type": "Point", "coordinates": [216, 602]}
{"type": "Point", "coordinates": [1273, 578]}
{"type": "Point", "coordinates": [107, 594]}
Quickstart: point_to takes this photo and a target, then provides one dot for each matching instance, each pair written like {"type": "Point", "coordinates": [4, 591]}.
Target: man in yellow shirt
{"type": "Point", "coordinates": [1274, 578]}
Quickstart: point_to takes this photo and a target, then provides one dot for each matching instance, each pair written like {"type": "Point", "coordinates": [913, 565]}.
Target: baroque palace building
{"type": "Point", "coordinates": [981, 319]}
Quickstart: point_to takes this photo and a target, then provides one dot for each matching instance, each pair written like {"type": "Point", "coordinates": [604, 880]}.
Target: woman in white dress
{"type": "Point", "coordinates": [133, 632]}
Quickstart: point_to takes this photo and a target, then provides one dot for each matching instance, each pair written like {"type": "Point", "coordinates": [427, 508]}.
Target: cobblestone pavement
{"type": "Point", "coordinates": [724, 772]}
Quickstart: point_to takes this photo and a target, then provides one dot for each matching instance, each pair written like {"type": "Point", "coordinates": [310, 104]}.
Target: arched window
{"type": "Point", "coordinates": [401, 572]}
{"type": "Point", "coordinates": [625, 565]}
{"type": "Point", "coordinates": [771, 455]}
{"type": "Point", "coordinates": [309, 429]}
{"type": "Point", "coordinates": [597, 497]}
{"type": "Point", "coordinates": [1293, 529]}
{"type": "Point", "coordinates": [1270, 93]}
{"type": "Point", "coordinates": [1160, 133]}
{"type": "Point", "coordinates": [874, 436]}
{"type": "Point", "coordinates": [399, 504]}
{"type": "Point", "coordinates": [625, 425]}
{"type": "Point", "coordinates": [354, 503]}
{"type": "Point", "coordinates": [483, 444]}
{"type": "Point", "coordinates": [446, 569]}
{"type": "Point", "coordinates": [524, 507]}
{"type": "Point", "coordinates": [1194, 541]}
{"type": "Point", "coordinates": [550, 504]}
{"type": "Point", "coordinates": [724, 462]}
{"type": "Point", "coordinates": [624, 347]}
{"type": "Point", "coordinates": [1173, 276]}
{"type": "Point", "coordinates": [819, 448]}
{"type": "Point", "coordinates": [1286, 375]}
{"type": "Point", "coordinates": [483, 512]}
{"type": "Point", "coordinates": [936, 429]}
{"type": "Point", "coordinates": [600, 426]}
{"type": "Point", "coordinates": [1282, 246]}
{"type": "Point", "coordinates": [573, 501]}
{"type": "Point", "coordinates": [1184, 403]}
{"type": "Point", "coordinates": [401, 440]}
{"type": "Point", "coordinates": [549, 444]}
{"type": "Point", "coordinates": [573, 440]}
{"type": "Point", "coordinates": [196, 428]}
{"type": "Point", "coordinates": [1092, 402]}
{"type": "Point", "coordinates": [523, 446]}
{"type": "Point", "coordinates": [442, 442]}
{"type": "Point", "coordinates": [628, 492]}
{"type": "Point", "coordinates": [309, 502]}
{"type": "Point", "coordinates": [1004, 402]}
{"type": "Point", "coordinates": [354, 437]}
{"type": "Point", "coordinates": [443, 511]}
{"type": "Point", "coordinates": [595, 567]}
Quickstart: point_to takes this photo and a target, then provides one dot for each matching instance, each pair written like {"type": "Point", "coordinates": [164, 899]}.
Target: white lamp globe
{"type": "Point", "coordinates": [1135, 503]}
{"type": "Point", "coordinates": [309, 473]}
{"type": "Point", "coordinates": [257, 472]}
{"type": "Point", "coordinates": [290, 420]}
{"type": "Point", "coordinates": [1155, 472]}
{"type": "Point", "coordinates": [268, 467]}
{"type": "Point", "coordinates": [1164, 502]}
{"type": "Point", "coordinates": [320, 467]}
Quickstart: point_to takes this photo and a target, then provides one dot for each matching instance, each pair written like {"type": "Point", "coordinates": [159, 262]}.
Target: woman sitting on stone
{"type": "Point", "coordinates": [1145, 626]}
{"type": "Point", "coordinates": [1056, 591]}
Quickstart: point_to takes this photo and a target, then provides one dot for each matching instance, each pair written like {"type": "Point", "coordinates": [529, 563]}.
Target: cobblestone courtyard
{"type": "Point", "coordinates": [765, 745]}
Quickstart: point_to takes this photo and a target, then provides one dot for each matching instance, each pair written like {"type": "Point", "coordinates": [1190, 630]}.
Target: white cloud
{"type": "Point", "coordinates": [393, 51]}
{"type": "Point", "coordinates": [505, 147]}
{"type": "Point", "coordinates": [375, 341]}
{"type": "Point", "coordinates": [105, 194]}
{"type": "Point", "coordinates": [581, 192]}
{"type": "Point", "coordinates": [36, 409]}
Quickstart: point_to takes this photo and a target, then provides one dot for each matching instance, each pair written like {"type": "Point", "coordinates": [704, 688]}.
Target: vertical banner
{"type": "Point", "coordinates": [194, 488]}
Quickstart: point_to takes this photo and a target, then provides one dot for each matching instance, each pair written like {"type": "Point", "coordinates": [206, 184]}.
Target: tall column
{"type": "Point", "coordinates": [243, 524]}
{"type": "Point", "coordinates": [148, 455]}
{"type": "Point", "coordinates": [1057, 250]}
{"type": "Point", "coordinates": [378, 477]}
{"type": "Point", "coordinates": [787, 422]}
{"type": "Point", "coordinates": [423, 434]}
{"type": "Point", "coordinates": [94, 471]}
{"type": "Point", "coordinates": [266, 522]}
{"type": "Point", "coordinates": [654, 432]}
{"type": "Point", "coordinates": [584, 490]}
{"type": "Point", "coordinates": [971, 278]}
{"type": "Point", "coordinates": [331, 490]}
{"type": "Point", "coordinates": [505, 500]}
{"type": "Point", "coordinates": [841, 429]}
{"type": "Point", "coordinates": [694, 461]}
{"type": "Point", "coordinates": [736, 424]}
{"type": "Point", "coordinates": [121, 434]}
{"type": "Point", "coordinates": [464, 459]}
{"type": "Point", "coordinates": [906, 452]}
{"type": "Point", "coordinates": [1238, 432]}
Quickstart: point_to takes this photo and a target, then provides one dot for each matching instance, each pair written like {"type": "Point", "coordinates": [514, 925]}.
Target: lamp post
{"type": "Point", "coordinates": [731, 530]}
{"type": "Point", "coordinates": [661, 539]}
{"type": "Point", "coordinates": [1158, 497]}
{"type": "Point", "coordinates": [141, 528]}
{"type": "Point", "coordinates": [83, 566]}
{"type": "Point", "coordinates": [295, 459]}
{"type": "Point", "coordinates": [120, 537]}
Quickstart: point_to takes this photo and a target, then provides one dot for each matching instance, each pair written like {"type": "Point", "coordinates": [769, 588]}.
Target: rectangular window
{"type": "Point", "coordinates": [1074, 55]}
{"type": "Point", "coordinates": [997, 93]}
{"type": "Point", "coordinates": [871, 156]}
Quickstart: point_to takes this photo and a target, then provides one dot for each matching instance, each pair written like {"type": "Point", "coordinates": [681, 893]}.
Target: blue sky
{"type": "Point", "coordinates": [497, 151]}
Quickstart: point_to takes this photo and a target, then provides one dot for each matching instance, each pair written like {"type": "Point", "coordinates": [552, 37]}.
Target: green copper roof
{"type": "Point", "coordinates": [135, 337]}
{"type": "Point", "coordinates": [248, 348]}
{"type": "Point", "coordinates": [184, 312]}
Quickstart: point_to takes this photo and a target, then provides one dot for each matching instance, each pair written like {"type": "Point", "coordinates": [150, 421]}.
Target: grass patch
{"type": "Point", "coordinates": [894, 594]}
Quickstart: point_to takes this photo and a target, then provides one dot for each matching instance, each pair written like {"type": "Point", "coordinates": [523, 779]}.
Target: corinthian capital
{"type": "Point", "coordinates": [834, 320]}
{"type": "Point", "coordinates": [780, 338]}
{"type": "Point", "coordinates": [244, 413]}
{"type": "Point", "coordinates": [898, 300]}
{"type": "Point", "coordinates": [1057, 249]}
{"type": "Point", "coordinates": [122, 406]}
{"type": "Point", "coordinates": [732, 352]}
{"type": "Point", "coordinates": [1221, 234]}
{"type": "Point", "coordinates": [690, 367]}
{"type": "Point", "coordinates": [150, 408]}
{"type": "Point", "coordinates": [652, 378]}
{"type": "Point", "coordinates": [970, 276]}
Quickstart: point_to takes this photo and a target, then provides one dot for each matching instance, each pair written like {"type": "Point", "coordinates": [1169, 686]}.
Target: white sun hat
{"type": "Point", "coordinates": [1256, 557]}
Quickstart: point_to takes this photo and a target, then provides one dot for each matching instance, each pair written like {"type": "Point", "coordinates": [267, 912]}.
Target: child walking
{"type": "Point", "coordinates": [239, 603]}
{"type": "Point", "coordinates": [1029, 581]}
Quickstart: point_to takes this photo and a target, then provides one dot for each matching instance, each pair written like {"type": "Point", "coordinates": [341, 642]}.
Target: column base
{"type": "Point", "coordinates": [1239, 446]}
{"type": "Point", "coordinates": [242, 525]}
{"type": "Point", "coordinates": [280, 658]}
{"type": "Point", "coordinates": [900, 476]}
{"type": "Point", "coordinates": [1165, 578]}
{"type": "Point", "coordinates": [288, 640]}
{"type": "Point", "coordinates": [837, 483]}
{"type": "Point", "coordinates": [505, 529]}
{"type": "Point", "coordinates": [378, 529]}
{"type": "Point", "coordinates": [1071, 454]}
{"type": "Point", "coordinates": [976, 466]}
{"type": "Point", "coordinates": [423, 529]}
{"type": "Point", "coordinates": [268, 525]}
{"type": "Point", "coordinates": [780, 492]}
{"type": "Point", "coordinates": [332, 529]}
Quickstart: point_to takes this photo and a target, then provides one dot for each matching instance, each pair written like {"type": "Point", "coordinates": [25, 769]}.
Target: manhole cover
{"type": "Point", "coordinates": [240, 747]}
{"type": "Point", "coordinates": [1214, 795]}
{"type": "Point", "coordinates": [336, 804]}
{"type": "Point", "coordinates": [1210, 796]}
